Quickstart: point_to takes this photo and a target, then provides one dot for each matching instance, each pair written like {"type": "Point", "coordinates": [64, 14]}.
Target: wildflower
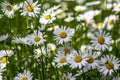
{"type": "Point", "coordinates": [51, 47]}
{"type": "Point", "coordinates": [31, 8]}
{"type": "Point", "coordinates": [36, 38]}
{"type": "Point", "coordinates": [77, 60]}
{"type": "Point", "coordinates": [79, 8]}
{"type": "Point", "coordinates": [108, 64]}
{"type": "Point", "coordinates": [101, 40]}
{"type": "Point", "coordinates": [61, 59]}
{"type": "Point", "coordinates": [92, 59]}
{"type": "Point", "coordinates": [63, 34]}
{"type": "Point", "coordinates": [7, 8]}
{"type": "Point", "coordinates": [26, 75]}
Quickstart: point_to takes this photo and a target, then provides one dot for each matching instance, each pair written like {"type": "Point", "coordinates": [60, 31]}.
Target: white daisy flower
{"type": "Point", "coordinates": [61, 59]}
{"type": "Point", "coordinates": [51, 47]}
{"type": "Point", "coordinates": [100, 25]}
{"type": "Point", "coordinates": [108, 64]}
{"type": "Point", "coordinates": [66, 49]}
{"type": "Point", "coordinates": [109, 21]}
{"type": "Point", "coordinates": [36, 38]}
{"type": "Point", "coordinates": [117, 7]}
{"type": "Point", "coordinates": [62, 15]}
{"type": "Point", "coordinates": [92, 59]}
{"type": "Point", "coordinates": [7, 8]}
{"type": "Point", "coordinates": [21, 40]}
{"type": "Point", "coordinates": [101, 40]}
{"type": "Point", "coordinates": [68, 76]}
{"type": "Point", "coordinates": [39, 52]}
{"type": "Point", "coordinates": [77, 60]}
{"type": "Point", "coordinates": [84, 48]}
{"type": "Point", "coordinates": [31, 8]}
{"type": "Point", "coordinates": [3, 37]}
{"type": "Point", "coordinates": [80, 8]}
{"type": "Point", "coordinates": [47, 17]}
{"type": "Point", "coordinates": [26, 75]}
{"type": "Point", "coordinates": [63, 34]}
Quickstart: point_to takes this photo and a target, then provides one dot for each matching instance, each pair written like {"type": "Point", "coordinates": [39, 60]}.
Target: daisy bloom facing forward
{"type": "Point", "coordinates": [30, 8]}
{"type": "Point", "coordinates": [108, 65]}
{"type": "Point", "coordinates": [63, 34]}
{"type": "Point", "coordinates": [101, 40]}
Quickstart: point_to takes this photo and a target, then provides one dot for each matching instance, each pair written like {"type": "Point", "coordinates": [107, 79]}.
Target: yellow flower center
{"type": "Point", "coordinates": [4, 59]}
{"type": "Point", "coordinates": [100, 24]}
{"type": "Point", "coordinates": [67, 78]}
{"type": "Point", "coordinates": [110, 22]}
{"type": "Point", "coordinates": [79, 10]}
{"type": "Point", "coordinates": [63, 35]}
{"type": "Point", "coordinates": [37, 39]}
{"type": "Point", "coordinates": [24, 78]}
{"type": "Point", "coordinates": [9, 8]}
{"type": "Point", "coordinates": [50, 48]}
{"type": "Point", "coordinates": [101, 40]}
{"type": "Point", "coordinates": [47, 17]}
{"type": "Point", "coordinates": [90, 60]}
{"type": "Point", "coordinates": [109, 65]}
{"type": "Point", "coordinates": [78, 59]}
{"type": "Point", "coordinates": [66, 50]}
{"type": "Point", "coordinates": [62, 60]}
{"type": "Point", "coordinates": [118, 6]}
{"type": "Point", "coordinates": [30, 8]}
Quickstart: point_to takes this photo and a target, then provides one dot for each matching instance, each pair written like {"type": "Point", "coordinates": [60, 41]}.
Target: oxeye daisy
{"type": "Point", "coordinates": [63, 34]}
{"type": "Point", "coordinates": [36, 38]}
{"type": "Point", "coordinates": [26, 75]}
{"type": "Point", "coordinates": [21, 40]}
{"type": "Point", "coordinates": [47, 17]}
{"type": "Point", "coordinates": [77, 60]}
{"type": "Point", "coordinates": [60, 59]}
{"type": "Point", "coordinates": [39, 52]}
{"type": "Point", "coordinates": [101, 40]}
{"type": "Point", "coordinates": [92, 61]}
{"type": "Point", "coordinates": [8, 53]}
{"type": "Point", "coordinates": [3, 37]}
{"type": "Point", "coordinates": [67, 49]}
{"type": "Point", "coordinates": [68, 76]}
{"type": "Point", "coordinates": [110, 21]}
{"type": "Point", "coordinates": [108, 64]}
{"type": "Point", "coordinates": [51, 47]}
{"type": "Point", "coordinates": [31, 8]}
{"type": "Point", "coordinates": [7, 8]}
{"type": "Point", "coordinates": [117, 7]}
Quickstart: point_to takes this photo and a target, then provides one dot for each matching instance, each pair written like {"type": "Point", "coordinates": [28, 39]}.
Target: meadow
{"type": "Point", "coordinates": [59, 40]}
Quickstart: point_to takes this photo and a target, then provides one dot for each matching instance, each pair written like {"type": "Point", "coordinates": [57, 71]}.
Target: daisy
{"type": "Point", "coordinates": [61, 59]}
{"type": "Point", "coordinates": [62, 15]}
{"type": "Point", "coordinates": [36, 38]}
{"type": "Point", "coordinates": [101, 40]}
{"type": "Point", "coordinates": [68, 76]}
{"type": "Point", "coordinates": [21, 40]}
{"type": "Point", "coordinates": [3, 37]}
{"type": "Point", "coordinates": [26, 75]}
{"type": "Point", "coordinates": [39, 52]}
{"type": "Point", "coordinates": [92, 59]}
{"type": "Point", "coordinates": [7, 8]}
{"type": "Point", "coordinates": [63, 34]}
{"type": "Point", "coordinates": [47, 17]}
{"type": "Point", "coordinates": [69, 19]}
{"type": "Point", "coordinates": [109, 21]}
{"type": "Point", "coordinates": [31, 8]}
{"type": "Point", "coordinates": [79, 8]}
{"type": "Point", "coordinates": [84, 48]}
{"type": "Point", "coordinates": [108, 64]}
{"type": "Point", "coordinates": [66, 49]}
{"type": "Point", "coordinates": [51, 47]}
{"type": "Point", "coordinates": [117, 7]}
{"type": "Point", "coordinates": [77, 60]}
